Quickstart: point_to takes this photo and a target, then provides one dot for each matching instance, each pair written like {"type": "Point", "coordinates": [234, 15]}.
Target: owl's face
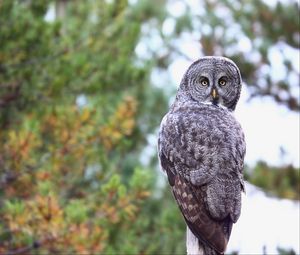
{"type": "Point", "coordinates": [214, 80]}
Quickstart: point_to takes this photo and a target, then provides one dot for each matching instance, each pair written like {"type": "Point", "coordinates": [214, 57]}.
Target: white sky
{"type": "Point", "coordinates": [265, 221]}
{"type": "Point", "coordinates": [268, 127]}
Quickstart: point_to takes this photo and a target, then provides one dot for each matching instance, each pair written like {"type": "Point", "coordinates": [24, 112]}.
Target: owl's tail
{"type": "Point", "coordinates": [208, 250]}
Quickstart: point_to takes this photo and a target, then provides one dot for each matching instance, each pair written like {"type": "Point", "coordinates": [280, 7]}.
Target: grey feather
{"type": "Point", "coordinates": [202, 144]}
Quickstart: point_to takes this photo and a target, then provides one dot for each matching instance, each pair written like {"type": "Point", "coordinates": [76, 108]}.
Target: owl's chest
{"type": "Point", "coordinates": [203, 122]}
{"type": "Point", "coordinates": [199, 129]}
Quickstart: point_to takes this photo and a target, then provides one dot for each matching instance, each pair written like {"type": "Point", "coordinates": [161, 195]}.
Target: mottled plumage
{"type": "Point", "coordinates": [201, 148]}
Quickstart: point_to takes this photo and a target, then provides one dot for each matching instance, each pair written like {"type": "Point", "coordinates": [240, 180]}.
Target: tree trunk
{"type": "Point", "coordinates": [192, 244]}
{"type": "Point", "coordinates": [60, 9]}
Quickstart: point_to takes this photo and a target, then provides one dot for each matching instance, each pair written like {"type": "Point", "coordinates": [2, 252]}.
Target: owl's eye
{"type": "Point", "coordinates": [222, 82]}
{"type": "Point", "coordinates": [204, 82]}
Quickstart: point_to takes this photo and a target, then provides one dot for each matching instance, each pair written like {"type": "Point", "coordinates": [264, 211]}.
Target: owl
{"type": "Point", "coordinates": [201, 147]}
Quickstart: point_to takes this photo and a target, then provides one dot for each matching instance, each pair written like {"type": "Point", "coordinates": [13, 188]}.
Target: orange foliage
{"type": "Point", "coordinates": [120, 124]}
{"type": "Point", "coordinates": [45, 158]}
{"type": "Point", "coordinates": [19, 146]}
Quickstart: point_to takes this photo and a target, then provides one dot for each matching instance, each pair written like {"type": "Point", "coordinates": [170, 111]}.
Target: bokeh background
{"type": "Point", "coordinates": [83, 87]}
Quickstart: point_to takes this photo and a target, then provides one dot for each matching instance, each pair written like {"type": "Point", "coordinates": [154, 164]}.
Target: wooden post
{"type": "Point", "coordinates": [192, 244]}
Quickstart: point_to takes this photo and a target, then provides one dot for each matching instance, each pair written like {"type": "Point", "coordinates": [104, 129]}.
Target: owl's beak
{"type": "Point", "coordinates": [215, 96]}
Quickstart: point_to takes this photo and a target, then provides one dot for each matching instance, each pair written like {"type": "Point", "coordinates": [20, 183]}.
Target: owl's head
{"type": "Point", "coordinates": [215, 80]}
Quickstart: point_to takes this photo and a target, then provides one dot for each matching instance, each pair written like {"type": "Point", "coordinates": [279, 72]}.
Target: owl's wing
{"type": "Point", "coordinates": [191, 201]}
{"type": "Point", "coordinates": [182, 144]}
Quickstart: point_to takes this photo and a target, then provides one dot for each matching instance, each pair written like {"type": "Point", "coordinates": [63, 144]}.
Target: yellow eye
{"type": "Point", "coordinates": [204, 83]}
{"type": "Point", "coordinates": [222, 82]}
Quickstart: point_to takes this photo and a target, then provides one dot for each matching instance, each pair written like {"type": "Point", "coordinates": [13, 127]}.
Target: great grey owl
{"type": "Point", "coordinates": [201, 147]}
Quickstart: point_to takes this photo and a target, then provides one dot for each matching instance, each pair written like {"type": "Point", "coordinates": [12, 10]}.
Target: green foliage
{"type": "Point", "coordinates": [283, 182]}
{"type": "Point", "coordinates": [282, 251]}
{"type": "Point", "coordinates": [13, 207]}
{"type": "Point", "coordinates": [76, 211]}
{"type": "Point", "coordinates": [65, 183]}
{"type": "Point", "coordinates": [140, 179]}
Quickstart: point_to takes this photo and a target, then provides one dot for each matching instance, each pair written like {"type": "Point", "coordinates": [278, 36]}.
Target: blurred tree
{"type": "Point", "coordinates": [283, 182]}
{"type": "Point", "coordinates": [282, 251]}
{"type": "Point", "coordinates": [263, 39]}
{"type": "Point", "coordinates": [76, 106]}
{"type": "Point", "coordinates": [266, 29]}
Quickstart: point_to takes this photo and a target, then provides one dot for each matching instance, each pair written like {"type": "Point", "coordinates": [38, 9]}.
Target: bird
{"type": "Point", "coordinates": [201, 147]}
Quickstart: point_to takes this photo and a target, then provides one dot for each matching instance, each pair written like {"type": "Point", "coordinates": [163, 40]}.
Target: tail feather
{"type": "Point", "coordinates": [211, 233]}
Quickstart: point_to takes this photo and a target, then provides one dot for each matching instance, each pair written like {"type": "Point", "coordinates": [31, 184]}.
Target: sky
{"type": "Point", "coordinates": [265, 223]}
